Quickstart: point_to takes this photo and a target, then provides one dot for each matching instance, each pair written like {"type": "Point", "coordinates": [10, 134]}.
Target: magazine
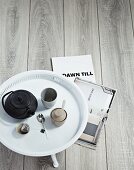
{"type": "Point", "coordinates": [99, 100]}
{"type": "Point", "coordinates": [79, 69]}
{"type": "Point", "coordinates": [74, 66]}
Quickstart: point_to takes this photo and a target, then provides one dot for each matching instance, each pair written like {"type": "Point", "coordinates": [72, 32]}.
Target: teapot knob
{"type": "Point", "coordinates": [20, 99]}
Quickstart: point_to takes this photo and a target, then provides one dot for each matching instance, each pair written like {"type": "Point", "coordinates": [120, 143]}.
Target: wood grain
{"type": "Point", "coordinates": [14, 19]}
{"type": "Point", "coordinates": [45, 41]}
{"type": "Point", "coordinates": [117, 51]}
{"type": "Point", "coordinates": [44, 163]}
{"type": "Point", "coordinates": [81, 31]}
{"type": "Point", "coordinates": [82, 37]}
{"type": "Point", "coordinates": [83, 158]}
{"type": "Point", "coordinates": [132, 13]}
{"type": "Point", "coordinates": [46, 33]}
{"type": "Point", "coordinates": [14, 25]}
{"type": "Point", "coordinates": [75, 27]}
{"type": "Point", "coordinates": [10, 160]}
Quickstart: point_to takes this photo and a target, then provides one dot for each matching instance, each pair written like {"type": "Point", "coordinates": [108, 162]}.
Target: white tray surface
{"type": "Point", "coordinates": [59, 138]}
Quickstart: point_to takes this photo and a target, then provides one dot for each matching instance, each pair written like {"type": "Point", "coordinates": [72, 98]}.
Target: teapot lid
{"type": "Point", "coordinates": [20, 99]}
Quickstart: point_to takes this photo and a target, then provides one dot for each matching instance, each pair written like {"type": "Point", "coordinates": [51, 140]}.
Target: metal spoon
{"type": "Point", "coordinates": [41, 119]}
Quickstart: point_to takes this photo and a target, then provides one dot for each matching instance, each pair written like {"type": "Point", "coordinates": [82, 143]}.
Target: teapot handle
{"type": "Point", "coordinates": [3, 103]}
{"type": "Point", "coordinates": [29, 112]}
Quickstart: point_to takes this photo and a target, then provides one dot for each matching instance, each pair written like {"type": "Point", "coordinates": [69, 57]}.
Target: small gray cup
{"type": "Point", "coordinates": [48, 97]}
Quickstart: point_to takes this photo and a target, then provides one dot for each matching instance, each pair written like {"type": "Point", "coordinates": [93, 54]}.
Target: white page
{"type": "Point", "coordinates": [74, 66]}
{"type": "Point", "coordinates": [98, 97]}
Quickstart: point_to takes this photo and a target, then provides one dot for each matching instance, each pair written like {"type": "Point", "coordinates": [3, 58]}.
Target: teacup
{"type": "Point", "coordinates": [48, 97]}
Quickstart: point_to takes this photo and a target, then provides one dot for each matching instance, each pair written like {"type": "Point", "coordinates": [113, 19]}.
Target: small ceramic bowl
{"type": "Point", "coordinates": [58, 116]}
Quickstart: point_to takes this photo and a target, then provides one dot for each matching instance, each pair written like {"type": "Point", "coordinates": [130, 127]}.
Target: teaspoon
{"type": "Point", "coordinates": [41, 119]}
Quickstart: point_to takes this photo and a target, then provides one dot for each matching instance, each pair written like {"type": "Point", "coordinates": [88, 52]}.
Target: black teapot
{"type": "Point", "coordinates": [20, 104]}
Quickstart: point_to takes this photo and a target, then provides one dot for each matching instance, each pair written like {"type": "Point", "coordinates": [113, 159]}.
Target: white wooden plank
{"type": "Point", "coordinates": [117, 49]}
{"type": "Point", "coordinates": [46, 33]}
{"type": "Point", "coordinates": [14, 26]}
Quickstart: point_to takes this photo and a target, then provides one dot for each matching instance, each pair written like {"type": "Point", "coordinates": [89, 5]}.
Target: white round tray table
{"type": "Point", "coordinates": [36, 143]}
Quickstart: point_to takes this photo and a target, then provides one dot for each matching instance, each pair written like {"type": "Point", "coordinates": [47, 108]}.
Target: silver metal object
{"type": "Point", "coordinates": [23, 128]}
{"type": "Point", "coordinates": [41, 119]}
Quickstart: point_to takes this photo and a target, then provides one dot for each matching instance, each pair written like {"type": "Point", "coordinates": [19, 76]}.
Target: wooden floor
{"type": "Point", "coordinates": [33, 31]}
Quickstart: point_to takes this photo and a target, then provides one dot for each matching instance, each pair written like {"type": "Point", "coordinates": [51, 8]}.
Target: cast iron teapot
{"type": "Point", "coordinates": [20, 104]}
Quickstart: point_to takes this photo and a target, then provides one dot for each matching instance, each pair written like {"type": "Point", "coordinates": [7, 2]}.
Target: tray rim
{"type": "Point", "coordinates": [73, 139]}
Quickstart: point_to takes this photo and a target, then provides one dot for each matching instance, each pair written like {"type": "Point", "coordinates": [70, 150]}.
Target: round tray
{"type": "Point", "coordinates": [36, 143]}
